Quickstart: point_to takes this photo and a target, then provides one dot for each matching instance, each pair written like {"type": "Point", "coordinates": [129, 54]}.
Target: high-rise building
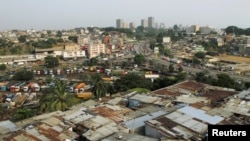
{"type": "Point", "coordinates": [144, 23]}
{"type": "Point", "coordinates": [132, 25]}
{"type": "Point", "coordinates": [151, 22]}
{"type": "Point", "coordinates": [125, 25]}
{"type": "Point", "coordinates": [119, 23]}
{"type": "Point", "coordinates": [195, 28]}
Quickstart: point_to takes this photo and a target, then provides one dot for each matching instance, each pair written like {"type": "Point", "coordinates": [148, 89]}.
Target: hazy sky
{"type": "Point", "coordinates": [68, 14]}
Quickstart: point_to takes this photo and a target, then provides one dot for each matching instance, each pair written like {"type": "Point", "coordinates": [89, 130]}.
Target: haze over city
{"type": "Point", "coordinates": [65, 14]}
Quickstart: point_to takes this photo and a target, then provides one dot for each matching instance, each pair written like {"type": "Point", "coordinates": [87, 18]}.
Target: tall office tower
{"type": "Point", "coordinates": [119, 23]}
{"type": "Point", "coordinates": [156, 25]}
{"type": "Point", "coordinates": [151, 22]}
{"type": "Point", "coordinates": [195, 28]}
{"type": "Point", "coordinates": [125, 25]}
{"type": "Point", "coordinates": [132, 25]}
{"type": "Point", "coordinates": [144, 23]}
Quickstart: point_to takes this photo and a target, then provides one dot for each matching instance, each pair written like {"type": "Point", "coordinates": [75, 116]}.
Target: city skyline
{"type": "Point", "coordinates": [64, 14]}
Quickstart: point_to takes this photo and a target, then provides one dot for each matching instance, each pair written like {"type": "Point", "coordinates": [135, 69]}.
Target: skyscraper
{"type": "Point", "coordinates": [144, 23]}
{"type": "Point", "coordinates": [119, 23]}
{"type": "Point", "coordinates": [132, 25]}
{"type": "Point", "coordinates": [151, 22]}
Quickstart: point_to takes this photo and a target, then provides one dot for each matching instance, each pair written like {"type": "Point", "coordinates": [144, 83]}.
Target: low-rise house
{"type": "Point", "coordinates": [185, 123]}
{"type": "Point", "coordinates": [6, 128]}
{"type": "Point", "coordinates": [99, 127]}
{"type": "Point", "coordinates": [128, 137]}
{"type": "Point", "coordinates": [190, 89]}
{"type": "Point", "coordinates": [137, 100]}
{"type": "Point", "coordinates": [239, 104]}
{"type": "Point", "coordinates": [52, 128]}
{"type": "Point", "coordinates": [112, 112]}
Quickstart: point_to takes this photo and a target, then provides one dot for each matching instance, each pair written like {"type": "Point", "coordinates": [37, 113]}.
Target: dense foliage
{"type": "Point", "coordinates": [57, 98]}
{"type": "Point", "coordinates": [237, 31]}
{"type": "Point", "coordinates": [139, 59]}
{"type": "Point", "coordinates": [23, 75]}
{"type": "Point", "coordinates": [222, 80]}
{"type": "Point", "coordinates": [51, 61]}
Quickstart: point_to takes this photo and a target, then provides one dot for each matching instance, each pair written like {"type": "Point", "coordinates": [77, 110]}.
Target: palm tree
{"type": "Point", "coordinates": [100, 88]}
{"type": "Point", "coordinates": [58, 99]}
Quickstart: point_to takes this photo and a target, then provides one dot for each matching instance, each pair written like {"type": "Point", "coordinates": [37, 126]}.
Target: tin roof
{"type": "Point", "coordinates": [244, 94]}
{"type": "Point", "coordinates": [139, 122]}
{"type": "Point", "coordinates": [239, 106]}
{"type": "Point", "coordinates": [76, 115]}
{"type": "Point", "coordinates": [186, 87]}
{"type": "Point", "coordinates": [144, 98]}
{"type": "Point", "coordinates": [115, 113]}
{"type": "Point", "coordinates": [6, 127]}
{"type": "Point", "coordinates": [128, 137]}
{"type": "Point", "coordinates": [200, 114]}
{"type": "Point", "coordinates": [101, 132]}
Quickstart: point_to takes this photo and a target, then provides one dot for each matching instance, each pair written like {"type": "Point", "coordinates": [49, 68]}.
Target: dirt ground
{"type": "Point", "coordinates": [237, 59]}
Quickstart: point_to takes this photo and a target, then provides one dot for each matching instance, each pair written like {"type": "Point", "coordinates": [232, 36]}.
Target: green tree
{"type": "Point", "coordinates": [58, 99]}
{"type": "Point", "coordinates": [167, 52]}
{"type": "Point", "coordinates": [51, 41]}
{"type": "Point", "coordinates": [139, 59]}
{"type": "Point", "coordinates": [3, 112]}
{"type": "Point", "coordinates": [93, 61]}
{"type": "Point", "coordinates": [51, 61]}
{"type": "Point", "coordinates": [171, 68]}
{"type": "Point", "coordinates": [60, 40]}
{"type": "Point", "coordinates": [15, 50]}
{"type": "Point", "coordinates": [195, 60]}
{"type": "Point", "coordinates": [180, 69]}
{"type": "Point", "coordinates": [132, 80]}
{"type": "Point", "coordinates": [3, 67]}
{"type": "Point", "coordinates": [23, 75]}
{"type": "Point", "coordinates": [164, 82]}
{"type": "Point", "coordinates": [204, 77]}
{"type": "Point", "coordinates": [49, 32]}
{"type": "Point", "coordinates": [181, 76]}
{"type": "Point", "coordinates": [224, 80]}
{"type": "Point", "coordinates": [200, 55]}
{"type": "Point", "coordinates": [59, 34]}
{"type": "Point", "coordinates": [85, 77]}
{"type": "Point", "coordinates": [22, 39]}
{"type": "Point", "coordinates": [23, 113]}
{"type": "Point", "coordinates": [73, 38]}
{"type": "Point", "coordinates": [99, 88]}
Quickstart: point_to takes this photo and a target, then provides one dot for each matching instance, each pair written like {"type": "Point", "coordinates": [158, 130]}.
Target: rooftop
{"type": "Point", "coordinates": [201, 115]}
{"type": "Point", "coordinates": [239, 106]}
{"type": "Point", "coordinates": [98, 133]}
{"type": "Point", "coordinates": [128, 137]}
{"type": "Point", "coordinates": [139, 122]}
{"type": "Point", "coordinates": [6, 127]}
{"type": "Point", "coordinates": [115, 113]}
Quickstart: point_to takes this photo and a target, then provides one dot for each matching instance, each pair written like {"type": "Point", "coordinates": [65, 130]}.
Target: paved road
{"type": "Point", "coordinates": [211, 72]}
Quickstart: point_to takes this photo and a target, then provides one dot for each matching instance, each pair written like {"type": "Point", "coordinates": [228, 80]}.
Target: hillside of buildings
{"type": "Point", "coordinates": [118, 83]}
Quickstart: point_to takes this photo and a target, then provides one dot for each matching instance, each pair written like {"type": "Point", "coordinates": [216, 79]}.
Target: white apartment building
{"type": "Point", "coordinates": [144, 23]}
{"type": "Point", "coordinates": [166, 39]}
{"type": "Point", "coordinates": [132, 25]}
{"type": "Point", "coordinates": [83, 40]}
{"type": "Point", "coordinates": [125, 25]}
{"type": "Point", "coordinates": [73, 51]}
{"type": "Point", "coordinates": [192, 29]}
{"type": "Point", "coordinates": [209, 29]}
{"type": "Point", "coordinates": [95, 49]}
